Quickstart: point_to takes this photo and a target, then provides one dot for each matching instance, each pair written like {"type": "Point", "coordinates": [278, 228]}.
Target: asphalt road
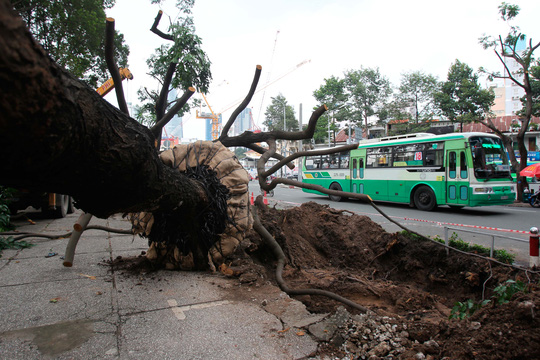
{"type": "Point", "coordinates": [506, 226]}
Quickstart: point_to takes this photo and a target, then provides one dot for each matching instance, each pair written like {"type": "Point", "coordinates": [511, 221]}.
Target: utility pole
{"type": "Point", "coordinates": [300, 144]}
{"type": "Point", "coordinates": [329, 137]}
{"type": "Point", "coordinates": [283, 146]}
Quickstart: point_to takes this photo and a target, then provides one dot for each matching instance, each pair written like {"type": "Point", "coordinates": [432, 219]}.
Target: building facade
{"type": "Point", "coordinates": [507, 93]}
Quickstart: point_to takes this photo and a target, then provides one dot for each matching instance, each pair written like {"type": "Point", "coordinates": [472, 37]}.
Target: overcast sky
{"type": "Point", "coordinates": [334, 36]}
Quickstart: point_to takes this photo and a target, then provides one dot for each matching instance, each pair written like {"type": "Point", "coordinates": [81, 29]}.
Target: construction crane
{"type": "Point", "coordinates": [109, 84]}
{"type": "Point", "coordinates": [213, 116]}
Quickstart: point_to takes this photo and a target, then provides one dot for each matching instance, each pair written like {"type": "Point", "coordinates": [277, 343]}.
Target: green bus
{"type": "Point", "coordinates": [422, 170]}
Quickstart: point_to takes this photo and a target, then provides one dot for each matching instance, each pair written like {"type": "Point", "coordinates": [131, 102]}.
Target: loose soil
{"type": "Point", "coordinates": [396, 276]}
{"type": "Point", "coordinates": [413, 282]}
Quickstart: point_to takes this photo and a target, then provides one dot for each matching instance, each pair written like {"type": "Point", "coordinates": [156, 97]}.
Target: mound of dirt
{"type": "Point", "coordinates": [413, 281]}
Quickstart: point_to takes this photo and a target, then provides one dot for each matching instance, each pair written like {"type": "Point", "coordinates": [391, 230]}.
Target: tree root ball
{"type": "Point", "coordinates": [221, 225]}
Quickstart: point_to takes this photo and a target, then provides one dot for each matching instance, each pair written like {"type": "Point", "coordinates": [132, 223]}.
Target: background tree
{"type": "Point", "coordinates": [240, 152]}
{"type": "Point", "coordinates": [534, 80]}
{"type": "Point", "coordinates": [461, 99]}
{"type": "Point", "coordinates": [354, 98]}
{"type": "Point", "coordinates": [177, 66]}
{"type": "Point", "coordinates": [416, 90]}
{"type": "Point", "coordinates": [274, 115]}
{"type": "Point", "coordinates": [367, 91]}
{"type": "Point", "coordinates": [333, 94]}
{"type": "Point", "coordinates": [72, 33]}
{"type": "Point", "coordinates": [508, 48]}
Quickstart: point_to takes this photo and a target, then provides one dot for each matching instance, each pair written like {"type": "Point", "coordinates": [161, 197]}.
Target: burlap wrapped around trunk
{"type": "Point", "coordinates": [231, 174]}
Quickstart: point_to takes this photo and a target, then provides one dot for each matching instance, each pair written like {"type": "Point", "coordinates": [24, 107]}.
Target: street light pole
{"type": "Point", "coordinates": [329, 120]}
{"type": "Point", "coordinates": [284, 129]}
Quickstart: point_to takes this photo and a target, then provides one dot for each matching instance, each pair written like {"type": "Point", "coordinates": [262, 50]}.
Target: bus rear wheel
{"type": "Point", "coordinates": [336, 187]}
{"type": "Point", "coordinates": [424, 198]}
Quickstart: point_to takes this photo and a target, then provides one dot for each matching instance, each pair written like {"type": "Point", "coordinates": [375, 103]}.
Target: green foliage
{"type": "Point", "coordinates": [5, 218]}
{"type": "Point", "coordinates": [397, 109]}
{"type": "Point", "coordinates": [332, 94]}
{"type": "Point", "coordinates": [239, 152]}
{"type": "Point", "coordinates": [10, 243]}
{"type": "Point", "coordinates": [508, 11]}
{"type": "Point", "coordinates": [416, 90]}
{"type": "Point", "coordinates": [534, 81]}
{"type": "Point", "coordinates": [461, 99]}
{"type": "Point", "coordinates": [274, 115]}
{"type": "Point", "coordinates": [461, 310]}
{"type": "Point", "coordinates": [367, 90]}
{"type": "Point", "coordinates": [192, 65]}
{"type": "Point", "coordinates": [411, 235]}
{"type": "Point", "coordinates": [73, 33]}
{"type": "Point", "coordinates": [355, 97]}
{"type": "Point", "coordinates": [5, 224]}
{"type": "Point", "coordinates": [504, 292]}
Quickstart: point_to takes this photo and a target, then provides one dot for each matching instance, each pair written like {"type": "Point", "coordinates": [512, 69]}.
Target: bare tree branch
{"type": "Point", "coordinates": [161, 105]}
{"type": "Point", "coordinates": [111, 65]}
{"type": "Point", "coordinates": [249, 137]}
{"type": "Point", "coordinates": [244, 103]}
{"type": "Point", "coordinates": [158, 32]}
{"type": "Point", "coordinates": [156, 129]}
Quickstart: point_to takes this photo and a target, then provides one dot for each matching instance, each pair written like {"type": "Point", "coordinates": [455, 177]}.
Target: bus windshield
{"type": "Point", "coordinates": [489, 158]}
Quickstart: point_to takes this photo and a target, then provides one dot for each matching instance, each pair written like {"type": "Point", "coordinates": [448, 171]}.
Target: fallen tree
{"type": "Point", "coordinates": [82, 146]}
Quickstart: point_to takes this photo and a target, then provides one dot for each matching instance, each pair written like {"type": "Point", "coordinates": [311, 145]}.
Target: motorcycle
{"type": "Point", "coordinates": [534, 199]}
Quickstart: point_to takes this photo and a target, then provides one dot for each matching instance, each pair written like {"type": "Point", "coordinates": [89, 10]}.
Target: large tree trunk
{"type": "Point", "coordinates": [58, 135]}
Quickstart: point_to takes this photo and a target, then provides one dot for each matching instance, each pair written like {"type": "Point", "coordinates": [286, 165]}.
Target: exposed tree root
{"type": "Point", "coordinates": [278, 252]}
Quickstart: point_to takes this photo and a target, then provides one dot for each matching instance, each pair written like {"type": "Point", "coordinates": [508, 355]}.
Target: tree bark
{"type": "Point", "coordinates": [59, 135]}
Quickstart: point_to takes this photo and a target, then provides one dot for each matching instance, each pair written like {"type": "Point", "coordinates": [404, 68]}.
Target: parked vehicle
{"type": "Point", "coordinates": [51, 204]}
{"type": "Point", "coordinates": [534, 199]}
{"type": "Point", "coordinates": [293, 175]}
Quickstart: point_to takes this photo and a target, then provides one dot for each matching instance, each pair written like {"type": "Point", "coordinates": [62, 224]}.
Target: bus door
{"type": "Point", "coordinates": [457, 178]}
{"type": "Point", "coordinates": [357, 175]}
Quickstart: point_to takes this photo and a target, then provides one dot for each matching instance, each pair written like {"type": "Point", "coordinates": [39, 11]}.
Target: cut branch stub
{"type": "Point", "coordinates": [111, 65]}
{"type": "Point", "coordinates": [244, 103]}
{"type": "Point", "coordinates": [156, 129]}
{"type": "Point", "coordinates": [158, 32]}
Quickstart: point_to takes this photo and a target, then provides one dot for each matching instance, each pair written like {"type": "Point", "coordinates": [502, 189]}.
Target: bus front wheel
{"type": "Point", "coordinates": [424, 198]}
{"type": "Point", "coordinates": [336, 187]}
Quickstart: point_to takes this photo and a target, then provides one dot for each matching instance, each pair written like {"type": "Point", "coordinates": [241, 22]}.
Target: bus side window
{"type": "Point", "coordinates": [354, 169]}
{"type": "Point", "coordinates": [344, 161]}
{"type": "Point", "coordinates": [462, 165]}
{"type": "Point", "coordinates": [361, 166]}
{"type": "Point", "coordinates": [452, 165]}
{"type": "Point", "coordinates": [429, 158]}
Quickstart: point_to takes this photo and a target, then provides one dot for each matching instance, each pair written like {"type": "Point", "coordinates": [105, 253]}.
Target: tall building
{"type": "Point", "coordinates": [208, 126]}
{"type": "Point", "coordinates": [243, 122]}
{"type": "Point", "coordinates": [174, 127]}
{"type": "Point", "coordinates": [507, 93]}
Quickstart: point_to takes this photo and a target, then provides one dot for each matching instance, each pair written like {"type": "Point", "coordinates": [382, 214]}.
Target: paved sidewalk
{"type": "Point", "coordinates": [90, 312]}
